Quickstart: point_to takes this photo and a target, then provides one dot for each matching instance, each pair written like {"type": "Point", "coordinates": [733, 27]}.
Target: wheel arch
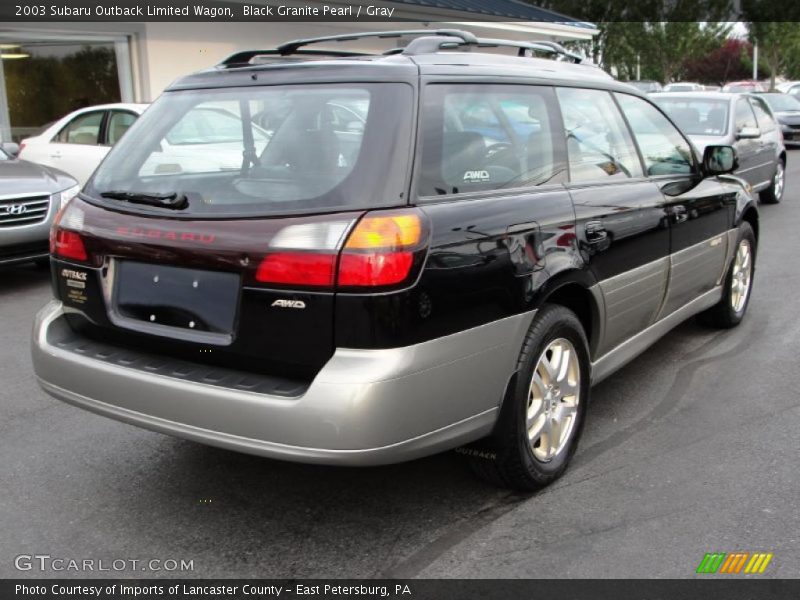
{"type": "Point", "coordinates": [577, 290]}
{"type": "Point", "coordinates": [750, 215]}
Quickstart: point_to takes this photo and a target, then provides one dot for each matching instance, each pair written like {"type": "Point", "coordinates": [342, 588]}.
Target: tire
{"type": "Point", "coordinates": [507, 458]}
{"type": "Point", "coordinates": [774, 193]}
{"type": "Point", "coordinates": [731, 308]}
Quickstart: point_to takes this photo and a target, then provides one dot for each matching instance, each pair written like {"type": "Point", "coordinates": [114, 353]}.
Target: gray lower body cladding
{"type": "Point", "coordinates": [364, 407]}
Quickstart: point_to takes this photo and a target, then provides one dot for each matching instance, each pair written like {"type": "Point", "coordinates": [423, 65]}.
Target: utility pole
{"type": "Point", "coordinates": [638, 67]}
{"type": "Point", "coordinates": [755, 62]}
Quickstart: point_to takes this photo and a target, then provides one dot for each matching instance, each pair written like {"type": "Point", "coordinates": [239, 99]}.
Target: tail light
{"type": "Point", "coordinates": [378, 251]}
{"type": "Point", "coordinates": [65, 241]}
{"type": "Point", "coordinates": [302, 268]}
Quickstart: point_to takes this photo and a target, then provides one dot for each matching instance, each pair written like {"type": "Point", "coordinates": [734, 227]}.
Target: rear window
{"type": "Point", "coordinates": [265, 150]}
{"type": "Point", "coordinates": [487, 137]}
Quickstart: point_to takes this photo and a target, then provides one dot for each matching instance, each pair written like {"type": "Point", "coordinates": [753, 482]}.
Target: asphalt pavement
{"type": "Point", "coordinates": [691, 448]}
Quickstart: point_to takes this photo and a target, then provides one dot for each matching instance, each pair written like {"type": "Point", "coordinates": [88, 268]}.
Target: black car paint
{"type": "Point", "coordinates": [491, 255]}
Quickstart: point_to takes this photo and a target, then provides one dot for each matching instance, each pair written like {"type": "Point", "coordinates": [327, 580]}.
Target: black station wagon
{"type": "Point", "coordinates": [318, 255]}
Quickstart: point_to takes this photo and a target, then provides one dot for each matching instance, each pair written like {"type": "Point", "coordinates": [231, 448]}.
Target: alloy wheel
{"type": "Point", "coordinates": [742, 275]}
{"type": "Point", "coordinates": [779, 180]}
{"type": "Point", "coordinates": [553, 400]}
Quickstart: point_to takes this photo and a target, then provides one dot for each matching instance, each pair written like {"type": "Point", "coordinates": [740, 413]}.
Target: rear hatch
{"type": "Point", "coordinates": [214, 230]}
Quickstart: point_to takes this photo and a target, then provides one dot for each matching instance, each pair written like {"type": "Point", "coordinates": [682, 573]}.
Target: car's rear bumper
{"type": "Point", "coordinates": [364, 407]}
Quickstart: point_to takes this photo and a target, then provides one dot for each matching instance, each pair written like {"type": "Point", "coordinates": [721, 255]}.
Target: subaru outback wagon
{"type": "Point", "coordinates": [421, 250]}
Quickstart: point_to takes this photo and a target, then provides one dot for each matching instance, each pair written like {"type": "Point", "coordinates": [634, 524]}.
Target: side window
{"type": "Point", "coordinates": [664, 150]}
{"type": "Point", "coordinates": [763, 116]}
{"type": "Point", "coordinates": [118, 123]}
{"type": "Point", "coordinates": [598, 143]}
{"type": "Point", "coordinates": [83, 129]}
{"type": "Point", "coordinates": [744, 116]}
{"type": "Point", "coordinates": [488, 137]}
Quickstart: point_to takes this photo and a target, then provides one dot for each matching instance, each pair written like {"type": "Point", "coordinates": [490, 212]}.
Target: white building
{"type": "Point", "coordinates": [45, 65]}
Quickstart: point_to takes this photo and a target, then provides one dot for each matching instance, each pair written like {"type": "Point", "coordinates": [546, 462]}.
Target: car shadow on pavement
{"type": "Point", "coordinates": [23, 277]}
{"type": "Point", "coordinates": [311, 520]}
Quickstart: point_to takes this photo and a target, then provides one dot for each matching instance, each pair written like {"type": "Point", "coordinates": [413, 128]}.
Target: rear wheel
{"type": "Point", "coordinates": [774, 193]}
{"type": "Point", "coordinates": [738, 283]}
{"type": "Point", "coordinates": [541, 420]}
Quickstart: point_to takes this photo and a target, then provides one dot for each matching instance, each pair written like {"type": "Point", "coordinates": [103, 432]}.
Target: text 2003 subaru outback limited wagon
{"type": "Point", "coordinates": [367, 259]}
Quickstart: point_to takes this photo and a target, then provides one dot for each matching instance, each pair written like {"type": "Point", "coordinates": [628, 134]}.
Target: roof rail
{"type": "Point", "coordinates": [428, 41]}
{"type": "Point", "coordinates": [428, 45]}
{"type": "Point", "coordinates": [245, 56]}
{"type": "Point", "coordinates": [293, 46]}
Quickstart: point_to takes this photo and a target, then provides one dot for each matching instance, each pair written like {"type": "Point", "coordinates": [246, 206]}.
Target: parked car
{"type": "Point", "coordinates": [362, 295]}
{"type": "Point", "coordinates": [648, 87]}
{"type": "Point", "coordinates": [744, 86]}
{"type": "Point", "coordinates": [683, 86]}
{"type": "Point", "coordinates": [78, 142]}
{"type": "Point", "coordinates": [30, 197]}
{"type": "Point", "coordinates": [789, 87]}
{"type": "Point", "coordinates": [786, 109]}
{"type": "Point", "coordinates": [743, 121]}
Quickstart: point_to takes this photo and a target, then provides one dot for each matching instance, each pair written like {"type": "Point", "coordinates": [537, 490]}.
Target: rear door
{"type": "Point", "coordinates": [621, 217]}
{"type": "Point", "coordinates": [240, 270]}
{"type": "Point", "coordinates": [78, 148]}
{"type": "Point", "coordinates": [700, 210]}
{"type": "Point", "coordinates": [747, 149]}
{"type": "Point", "coordinates": [768, 141]}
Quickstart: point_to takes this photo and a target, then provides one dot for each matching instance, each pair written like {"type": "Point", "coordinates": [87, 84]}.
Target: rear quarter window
{"type": "Point", "coordinates": [487, 137]}
{"type": "Point", "coordinates": [763, 116]}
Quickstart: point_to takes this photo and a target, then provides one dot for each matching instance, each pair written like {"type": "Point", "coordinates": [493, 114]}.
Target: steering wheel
{"type": "Point", "coordinates": [498, 147]}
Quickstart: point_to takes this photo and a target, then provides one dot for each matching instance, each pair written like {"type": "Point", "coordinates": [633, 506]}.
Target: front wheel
{"type": "Point", "coordinates": [738, 283]}
{"type": "Point", "coordinates": [774, 193]}
{"type": "Point", "coordinates": [542, 417]}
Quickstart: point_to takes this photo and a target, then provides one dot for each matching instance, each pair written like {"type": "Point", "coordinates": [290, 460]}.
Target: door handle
{"type": "Point", "coordinates": [595, 232]}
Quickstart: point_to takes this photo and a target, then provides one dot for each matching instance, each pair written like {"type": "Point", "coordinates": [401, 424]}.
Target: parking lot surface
{"type": "Point", "coordinates": [691, 448]}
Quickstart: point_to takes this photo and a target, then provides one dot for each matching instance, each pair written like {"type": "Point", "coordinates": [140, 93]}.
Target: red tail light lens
{"type": "Point", "coordinates": [300, 268]}
{"type": "Point", "coordinates": [67, 244]}
{"type": "Point", "coordinates": [365, 270]}
{"type": "Point", "coordinates": [380, 250]}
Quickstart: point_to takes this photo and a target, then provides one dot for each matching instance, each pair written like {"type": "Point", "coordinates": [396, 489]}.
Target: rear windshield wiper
{"type": "Point", "coordinates": [173, 201]}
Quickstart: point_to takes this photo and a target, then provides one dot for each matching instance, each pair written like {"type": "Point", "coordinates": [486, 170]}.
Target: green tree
{"type": "Point", "coordinates": [655, 34]}
{"type": "Point", "coordinates": [778, 45]}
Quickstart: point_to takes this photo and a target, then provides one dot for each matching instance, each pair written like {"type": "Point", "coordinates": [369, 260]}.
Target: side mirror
{"type": "Point", "coordinates": [747, 133]}
{"type": "Point", "coordinates": [10, 148]}
{"type": "Point", "coordinates": [718, 160]}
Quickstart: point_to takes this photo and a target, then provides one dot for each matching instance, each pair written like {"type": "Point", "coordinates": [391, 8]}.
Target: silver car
{"type": "Point", "coordinates": [30, 197]}
{"type": "Point", "coordinates": [744, 121]}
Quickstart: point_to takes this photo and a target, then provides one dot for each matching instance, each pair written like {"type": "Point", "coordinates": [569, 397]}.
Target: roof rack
{"type": "Point", "coordinates": [245, 56]}
{"type": "Point", "coordinates": [428, 45]}
{"type": "Point", "coordinates": [428, 42]}
{"type": "Point", "coordinates": [292, 47]}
